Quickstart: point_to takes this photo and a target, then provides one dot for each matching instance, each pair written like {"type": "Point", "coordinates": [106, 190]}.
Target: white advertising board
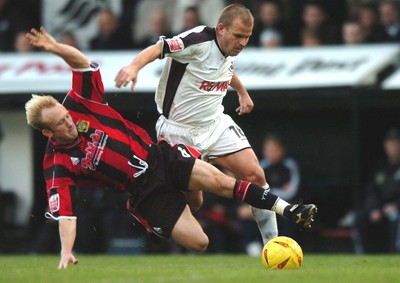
{"type": "Point", "coordinates": [283, 68]}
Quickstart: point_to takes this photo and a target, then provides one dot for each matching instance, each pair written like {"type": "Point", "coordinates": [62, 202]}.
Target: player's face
{"type": "Point", "coordinates": [234, 38]}
{"type": "Point", "coordinates": [61, 127]}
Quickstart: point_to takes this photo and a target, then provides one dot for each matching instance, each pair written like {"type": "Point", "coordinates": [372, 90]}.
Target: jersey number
{"type": "Point", "coordinates": [184, 152]}
{"type": "Point", "coordinates": [238, 131]}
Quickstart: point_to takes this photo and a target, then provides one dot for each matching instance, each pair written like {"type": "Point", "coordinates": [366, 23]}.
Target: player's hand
{"type": "Point", "coordinates": [246, 104]}
{"type": "Point", "coordinates": [125, 75]}
{"type": "Point", "coordinates": [41, 39]}
{"type": "Point", "coordinates": [67, 259]}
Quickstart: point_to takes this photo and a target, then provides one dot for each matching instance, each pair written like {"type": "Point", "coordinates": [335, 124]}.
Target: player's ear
{"type": "Point", "coordinates": [47, 133]}
{"type": "Point", "coordinates": [220, 27]}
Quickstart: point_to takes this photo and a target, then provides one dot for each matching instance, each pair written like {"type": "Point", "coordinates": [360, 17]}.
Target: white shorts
{"type": "Point", "coordinates": [219, 138]}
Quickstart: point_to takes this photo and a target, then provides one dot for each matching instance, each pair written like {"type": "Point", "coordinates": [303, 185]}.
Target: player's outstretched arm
{"type": "Point", "coordinates": [245, 102]}
{"type": "Point", "coordinates": [130, 72]}
{"type": "Point", "coordinates": [67, 229]}
{"type": "Point", "coordinates": [44, 41]}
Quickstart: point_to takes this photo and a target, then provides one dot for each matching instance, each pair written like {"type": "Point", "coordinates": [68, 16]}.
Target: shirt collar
{"type": "Point", "coordinates": [55, 145]}
{"type": "Point", "coordinates": [217, 43]}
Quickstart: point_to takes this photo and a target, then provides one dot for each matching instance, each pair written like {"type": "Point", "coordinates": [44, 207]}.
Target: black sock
{"type": "Point", "coordinates": [254, 195]}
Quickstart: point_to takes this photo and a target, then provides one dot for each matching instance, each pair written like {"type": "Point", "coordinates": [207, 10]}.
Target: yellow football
{"type": "Point", "coordinates": [282, 253]}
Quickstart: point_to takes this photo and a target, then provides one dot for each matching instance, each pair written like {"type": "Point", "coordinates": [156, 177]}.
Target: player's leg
{"type": "Point", "coordinates": [244, 165]}
{"type": "Point", "coordinates": [252, 172]}
{"type": "Point", "coordinates": [205, 177]}
{"type": "Point", "coordinates": [165, 214]}
{"type": "Point", "coordinates": [188, 232]}
{"type": "Point", "coordinates": [232, 151]}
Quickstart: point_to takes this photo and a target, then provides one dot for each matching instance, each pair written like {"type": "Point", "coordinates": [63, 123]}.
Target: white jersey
{"type": "Point", "coordinates": [195, 77]}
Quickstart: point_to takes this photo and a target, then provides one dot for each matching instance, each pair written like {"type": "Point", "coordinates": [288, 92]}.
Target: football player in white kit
{"type": "Point", "coordinates": [197, 72]}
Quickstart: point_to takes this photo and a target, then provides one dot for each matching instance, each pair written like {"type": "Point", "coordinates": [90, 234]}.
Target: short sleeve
{"type": "Point", "coordinates": [88, 84]}
{"type": "Point", "coordinates": [60, 185]}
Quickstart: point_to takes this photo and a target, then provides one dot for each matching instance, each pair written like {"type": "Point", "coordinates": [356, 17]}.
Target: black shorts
{"type": "Point", "coordinates": [159, 202]}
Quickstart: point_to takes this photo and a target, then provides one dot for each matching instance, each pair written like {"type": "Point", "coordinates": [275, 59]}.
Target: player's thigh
{"type": "Point", "coordinates": [188, 232]}
{"type": "Point", "coordinates": [243, 164]}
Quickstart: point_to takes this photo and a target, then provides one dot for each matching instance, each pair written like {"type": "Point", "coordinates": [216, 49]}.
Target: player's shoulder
{"type": "Point", "coordinates": [197, 35]}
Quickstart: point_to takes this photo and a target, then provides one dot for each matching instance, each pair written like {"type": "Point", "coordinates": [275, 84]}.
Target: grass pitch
{"type": "Point", "coordinates": [198, 268]}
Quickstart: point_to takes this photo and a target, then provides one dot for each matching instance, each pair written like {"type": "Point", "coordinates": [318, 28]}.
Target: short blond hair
{"type": "Point", "coordinates": [234, 11]}
{"type": "Point", "coordinates": [34, 108]}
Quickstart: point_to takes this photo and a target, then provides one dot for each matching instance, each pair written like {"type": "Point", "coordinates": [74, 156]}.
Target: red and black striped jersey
{"type": "Point", "coordinates": [109, 151]}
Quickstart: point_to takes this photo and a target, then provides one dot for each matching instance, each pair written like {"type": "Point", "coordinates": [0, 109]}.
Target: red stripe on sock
{"type": "Point", "coordinates": [241, 189]}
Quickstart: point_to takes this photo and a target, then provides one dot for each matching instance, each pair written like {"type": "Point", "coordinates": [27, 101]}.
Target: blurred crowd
{"type": "Point", "coordinates": [104, 25]}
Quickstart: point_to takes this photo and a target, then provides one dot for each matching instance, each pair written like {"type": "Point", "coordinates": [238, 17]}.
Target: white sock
{"type": "Point", "coordinates": [266, 222]}
{"type": "Point", "coordinates": [279, 206]}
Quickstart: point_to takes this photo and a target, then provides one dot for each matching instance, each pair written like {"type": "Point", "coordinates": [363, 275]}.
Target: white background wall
{"type": "Point", "coordinates": [16, 162]}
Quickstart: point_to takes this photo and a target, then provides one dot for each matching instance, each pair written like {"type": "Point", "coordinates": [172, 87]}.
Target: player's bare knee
{"type": "Point", "coordinates": [256, 176]}
{"type": "Point", "coordinates": [201, 244]}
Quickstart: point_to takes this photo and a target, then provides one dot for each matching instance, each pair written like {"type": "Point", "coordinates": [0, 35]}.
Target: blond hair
{"type": "Point", "coordinates": [34, 108]}
{"type": "Point", "coordinates": [234, 11]}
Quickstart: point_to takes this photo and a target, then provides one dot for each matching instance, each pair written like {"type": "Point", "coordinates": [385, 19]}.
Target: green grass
{"type": "Point", "coordinates": [198, 268]}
